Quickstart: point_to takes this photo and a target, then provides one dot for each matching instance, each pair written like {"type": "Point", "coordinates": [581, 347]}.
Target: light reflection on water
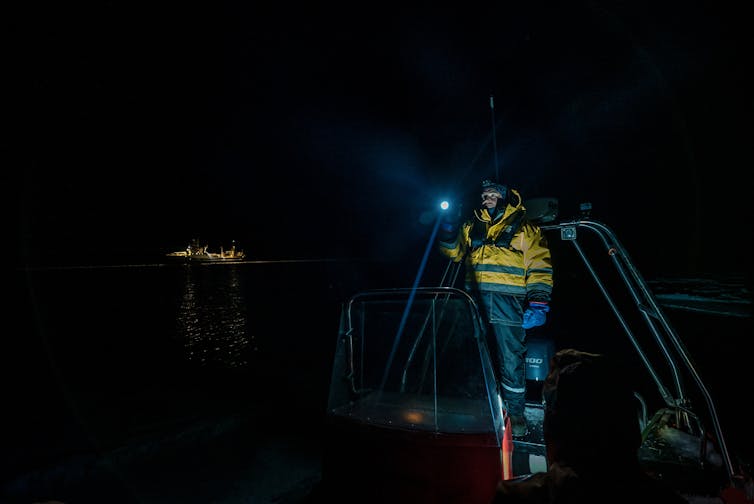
{"type": "Point", "coordinates": [212, 317]}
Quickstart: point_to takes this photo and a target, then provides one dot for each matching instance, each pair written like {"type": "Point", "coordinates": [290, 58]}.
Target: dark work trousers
{"type": "Point", "coordinates": [504, 313]}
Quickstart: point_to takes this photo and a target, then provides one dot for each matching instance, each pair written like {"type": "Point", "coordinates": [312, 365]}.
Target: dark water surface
{"type": "Point", "coordinates": [180, 369]}
{"type": "Point", "coordinates": [208, 383]}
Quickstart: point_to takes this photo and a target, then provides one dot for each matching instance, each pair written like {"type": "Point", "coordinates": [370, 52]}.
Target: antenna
{"type": "Point", "coordinates": [494, 137]}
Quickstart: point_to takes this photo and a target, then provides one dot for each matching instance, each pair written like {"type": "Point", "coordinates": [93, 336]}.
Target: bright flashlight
{"type": "Point", "coordinates": [444, 205]}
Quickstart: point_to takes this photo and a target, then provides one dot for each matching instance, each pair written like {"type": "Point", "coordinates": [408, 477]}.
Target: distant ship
{"type": "Point", "coordinates": [197, 253]}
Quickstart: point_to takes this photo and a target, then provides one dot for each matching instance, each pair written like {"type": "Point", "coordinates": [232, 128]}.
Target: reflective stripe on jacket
{"type": "Point", "coordinates": [522, 269]}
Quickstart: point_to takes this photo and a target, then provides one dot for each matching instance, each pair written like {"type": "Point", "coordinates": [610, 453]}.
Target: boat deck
{"type": "Point", "coordinates": [529, 451]}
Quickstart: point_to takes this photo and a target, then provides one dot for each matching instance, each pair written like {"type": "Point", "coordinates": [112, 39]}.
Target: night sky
{"type": "Point", "coordinates": [320, 132]}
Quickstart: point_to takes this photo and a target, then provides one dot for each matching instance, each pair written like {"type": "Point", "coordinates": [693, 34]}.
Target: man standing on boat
{"type": "Point", "coordinates": [509, 270]}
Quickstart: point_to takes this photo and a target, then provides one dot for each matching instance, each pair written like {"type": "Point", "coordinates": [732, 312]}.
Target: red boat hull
{"type": "Point", "coordinates": [368, 463]}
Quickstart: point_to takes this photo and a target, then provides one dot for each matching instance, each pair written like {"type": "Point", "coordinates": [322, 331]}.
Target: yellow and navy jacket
{"type": "Point", "coordinates": [509, 255]}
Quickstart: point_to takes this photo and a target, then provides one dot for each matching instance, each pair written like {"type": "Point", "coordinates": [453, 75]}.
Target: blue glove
{"type": "Point", "coordinates": [535, 314]}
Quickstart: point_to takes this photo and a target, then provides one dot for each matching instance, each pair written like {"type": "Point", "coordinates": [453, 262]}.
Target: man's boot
{"type": "Point", "coordinates": [518, 426]}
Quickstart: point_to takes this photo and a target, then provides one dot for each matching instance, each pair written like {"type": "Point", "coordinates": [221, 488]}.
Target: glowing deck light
{"type": "Point", "coordinates": [414, 417]}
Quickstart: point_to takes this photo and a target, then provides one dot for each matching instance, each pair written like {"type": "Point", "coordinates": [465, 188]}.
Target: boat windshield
{"type": "Point", "coordinates": [414, 360]}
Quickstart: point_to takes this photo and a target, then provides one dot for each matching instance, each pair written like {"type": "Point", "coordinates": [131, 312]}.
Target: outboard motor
{"type": "Point", "coordinates": [538, 354]}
